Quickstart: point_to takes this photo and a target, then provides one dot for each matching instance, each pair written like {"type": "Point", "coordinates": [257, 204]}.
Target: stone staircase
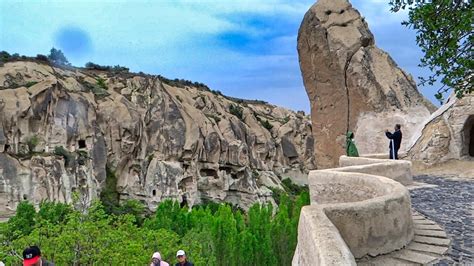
{"type": "Point", "coordinates": [427, 247]}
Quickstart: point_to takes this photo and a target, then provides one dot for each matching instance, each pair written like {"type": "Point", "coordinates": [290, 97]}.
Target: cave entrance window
{"type": "Point", "coordinates": [82, 144]}
{"type": "Point", "coordinates": [7, 147]}
{"type": "Point", "coordinates": [154, 192]}
{"type": "Point", "coordinates": [469, 136]}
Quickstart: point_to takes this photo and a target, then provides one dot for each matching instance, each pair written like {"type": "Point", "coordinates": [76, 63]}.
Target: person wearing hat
{"type": "Point", "coordinates": [32, 257]}
{"type": "Point", "coordinates": [156, 260]}
{"type": "Point", "coordinates": [182, 261]}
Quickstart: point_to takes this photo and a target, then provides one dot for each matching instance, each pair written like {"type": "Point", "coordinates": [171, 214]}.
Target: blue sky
{"type": "Point", "coordinates": [244, 48]}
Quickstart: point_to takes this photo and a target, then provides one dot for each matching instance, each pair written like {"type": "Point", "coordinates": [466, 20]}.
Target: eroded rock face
{"type": "Point", "coordinates": [447, 134]}
{"type": "Point", "coordinates": [160, 141]}
{"type": "Point", "coordinates": [352, 84]}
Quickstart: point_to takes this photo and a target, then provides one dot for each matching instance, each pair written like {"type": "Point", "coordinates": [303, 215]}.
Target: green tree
{"type": "Point", "coordinates": [57, 57]}
{"type": "Point", "coordinates": [445, 35]}
{"type": "Point", "coordinates": [23, 221]}
{"type": "Point", "coordinates": [225, 233]}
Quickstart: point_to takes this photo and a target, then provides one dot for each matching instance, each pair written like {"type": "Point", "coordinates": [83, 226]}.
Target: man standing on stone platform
{"type": "Point", "coordinates": [395, 141]}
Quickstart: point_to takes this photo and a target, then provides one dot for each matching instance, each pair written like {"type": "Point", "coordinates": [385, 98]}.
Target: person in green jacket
{"type": "Point", "coordinates": [351, 149]}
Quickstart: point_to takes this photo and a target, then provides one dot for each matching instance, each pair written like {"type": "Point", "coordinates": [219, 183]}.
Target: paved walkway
{"type": "Point", "coordinates": [428, 246]}
{"type": "Point", "coordinates": [449, 203]}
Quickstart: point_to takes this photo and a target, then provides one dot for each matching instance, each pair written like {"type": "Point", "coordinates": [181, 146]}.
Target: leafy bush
{"type": "Point", "coordinates": [31, 83]}
{"type": "Point", "coordinates": [57, 57]}
{"type": "Point", "coordinates": [101, 84]}
{"type": "Point", "coordinates": [32, 142]}
{"type": "Point", "coordinates": [115, 69]}
{"type": "Point", "coordinates": [181, 83]}
{"type": "Point", "coordinates": [214, 117]}
{"type": "Point", "coordinates": [42, 57]}
{"type": "Point", "coordinates": [67, 155]}
{"type": "Point", "coordinates": [236, 110]}
{"type": "Point", "coordinates": [266, 124]}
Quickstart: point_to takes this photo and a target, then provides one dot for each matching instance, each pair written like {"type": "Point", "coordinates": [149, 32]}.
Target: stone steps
{"type": "Point", "coordinates": [428, 246]}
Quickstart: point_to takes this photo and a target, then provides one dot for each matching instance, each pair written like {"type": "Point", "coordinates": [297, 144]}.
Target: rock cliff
{"type": "Point", "coordinates": [447, 134]}
{"type": "Point", "coordinates": [352, 84]}
{"type": "Point", "coordinates": [66, 130]}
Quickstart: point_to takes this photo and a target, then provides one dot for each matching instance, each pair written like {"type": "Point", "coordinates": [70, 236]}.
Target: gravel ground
{"type": "Point", "coordinates": [450, 204]}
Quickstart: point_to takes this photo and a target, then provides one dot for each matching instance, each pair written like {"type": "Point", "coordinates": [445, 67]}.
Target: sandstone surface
{"type": "Point", "coordinates": [66, 130]}
{"type": "Point", "coordinates": [352, 84]}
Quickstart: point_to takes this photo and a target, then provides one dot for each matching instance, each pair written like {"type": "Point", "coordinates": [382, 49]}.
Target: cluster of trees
{"type": "Point", "coordinates": [215, 234]}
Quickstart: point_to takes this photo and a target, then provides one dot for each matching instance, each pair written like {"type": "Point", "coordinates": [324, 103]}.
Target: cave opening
{"type": "Point", "coordinates": [154, 192]}
{"type": "Point", "coordinates": [82, 144]}
{"type": "Point", "coordinates": [469, 136]}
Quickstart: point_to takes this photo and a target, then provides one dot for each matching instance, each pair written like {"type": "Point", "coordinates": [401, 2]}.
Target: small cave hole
{"type": "Point", "coordinates": [82, 144]}
{"type": "Point", "coordinates": [154, 192]}
{"type": "Point", "coordinates": [328, 12]}
{"type": "Point", "coordinates": [342, 11]}
{"type": "Point", "coordinates": [7, 147]}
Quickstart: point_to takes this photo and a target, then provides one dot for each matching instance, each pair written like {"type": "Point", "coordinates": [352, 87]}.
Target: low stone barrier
{"type": "Point", "coordinates": [398, 170]}
{"type": "Point", "coordinates": [353, 214]}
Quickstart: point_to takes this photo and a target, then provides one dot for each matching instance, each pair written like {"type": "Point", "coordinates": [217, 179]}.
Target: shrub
{"type": "Point", "coordinates": [4, 56]}
{"type": "Point", "coordinates": [32, 142]}
{"type": "Point", "coordinates": [101, 84]}
{"type": "Point", "coordinates": [266, 124]}
{"type": "Point", "coordinates": [236, 110]}
{"type": "Point", "coordinates": [42, 57]}
{"type": "Point", "coordinates": [67, 155]}
{"type": "Point", "coordinates": [30, 83]}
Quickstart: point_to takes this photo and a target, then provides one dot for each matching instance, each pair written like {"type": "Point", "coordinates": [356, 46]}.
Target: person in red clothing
{"type": "Point", "coordinates": [32, 257]}
{"type": "Point", "coordinates": [182, 260]}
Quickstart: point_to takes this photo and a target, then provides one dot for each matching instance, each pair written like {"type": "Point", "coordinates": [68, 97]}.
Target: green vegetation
{"type": "Point", "coordinates": [101, 84]}
{"type": "Point", "coordinates": [266, 124]}
{"type": "Point", "coordinates": [179, 98]}
{"type": "Point", "coordinates": [214, 117]}
{"type": "Point", "coordinates": [445, 35]}
{"type": "Point", "coordinates": [114, 69]}
{"type": "Point", "coordinates": [31, 83]}
{"type": "Point", "coordinates": [32, 142]}
{"type": "Point", "coordinates": [67, 155]}
{"type": "Point", "coordinates": [215, 234]}
{"type": "Point", "coordinates": [236, 110]}
{"type": "Point", "coordinates": [57, 57]}
{"type": "Point", "coordinates": [181, 83]}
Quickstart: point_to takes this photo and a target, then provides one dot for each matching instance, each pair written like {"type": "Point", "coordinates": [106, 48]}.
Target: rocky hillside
{"type": "Point", "coordinates": [66, 130]}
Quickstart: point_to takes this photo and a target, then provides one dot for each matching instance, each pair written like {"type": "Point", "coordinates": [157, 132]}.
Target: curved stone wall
{"type": "Point", "coordinates": [398, 170]}
{"type": "Point", "coordinates": [353, 211]}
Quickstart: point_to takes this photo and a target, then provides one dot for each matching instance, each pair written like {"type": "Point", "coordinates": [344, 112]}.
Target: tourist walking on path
{"type": "Point", "coordinates": [182, 260]}
{"type": "Point", "coordinates": [395, 141]}
{"type": "Point", "coordinates": [156, 260]}
{"type": "Point", "coordinates": [351, 149]}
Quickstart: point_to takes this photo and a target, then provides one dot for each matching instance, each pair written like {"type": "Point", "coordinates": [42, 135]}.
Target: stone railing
{"type": "Point", "coordinates": [354, 213]}
{"type": "Point", "coordinates": [398, 170]}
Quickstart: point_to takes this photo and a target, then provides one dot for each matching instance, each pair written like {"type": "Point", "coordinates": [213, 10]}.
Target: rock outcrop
{"type": "Point", "coordinates": [352, 84]}
{"type": "Point", "coordinates": [66, 130]}
{"type": "Point", "coordinates": [447, 134]}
